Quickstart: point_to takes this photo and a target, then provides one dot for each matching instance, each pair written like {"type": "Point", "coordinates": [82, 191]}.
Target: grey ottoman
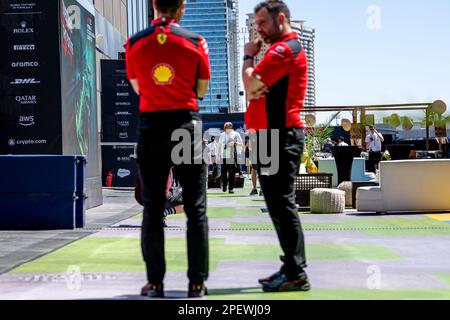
{"type": "Point", "coordinates": [347, 187]}
{"type": "Point", "coordinates": [327, 201]}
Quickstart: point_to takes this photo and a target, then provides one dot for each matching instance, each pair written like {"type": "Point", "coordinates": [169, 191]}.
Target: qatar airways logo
{"type": "Point", "coordinates": [26, 99]}
{"type": "Point", "coordinates": [23, 29]}
{"type": "Point", "coordinates": [123, 123]}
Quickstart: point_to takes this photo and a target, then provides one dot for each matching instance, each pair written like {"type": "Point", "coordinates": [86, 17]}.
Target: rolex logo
{"type": "Point", "coordinates": [23, 28]}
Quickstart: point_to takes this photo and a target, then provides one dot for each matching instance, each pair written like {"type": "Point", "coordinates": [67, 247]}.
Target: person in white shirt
{"type": "Point", "coordinates": [230, 143]}
{"type": "Point", "coordinates": [341, 142]}
{"type": "Point", "coordinates": [374, 141]}
{"type": "Point", "coordinates": [213, 149]}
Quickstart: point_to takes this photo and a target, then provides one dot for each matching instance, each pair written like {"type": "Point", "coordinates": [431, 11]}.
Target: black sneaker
{"type": "Point", "coordinates": [254, 192]}
{"type": "Point", "coordinates": [261, 193]}
{"type": "Point", "coordinates": [197, 290]}
{"type": "Point", "coordinates": [224, 189]}
{"type": "Point", "coordinates": [153, 290]}
{"type": "Point", "coordinates": [266, 280]}
{"type": "Point", "coordinates": [283, 284]}
{"type": "Point", "coordinates": [231, 192]}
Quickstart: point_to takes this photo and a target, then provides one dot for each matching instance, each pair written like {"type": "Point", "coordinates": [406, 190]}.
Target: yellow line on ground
{"type": "Point", "coordinates": [440, 217]}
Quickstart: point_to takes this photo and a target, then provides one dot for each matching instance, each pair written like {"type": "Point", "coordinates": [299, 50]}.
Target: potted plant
{"type": "Point", "coordinates": [316, 137]}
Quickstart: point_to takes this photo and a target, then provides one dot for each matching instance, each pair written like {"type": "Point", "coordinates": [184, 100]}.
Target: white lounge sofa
{"type": "Point", "coordinates": [408, 185]}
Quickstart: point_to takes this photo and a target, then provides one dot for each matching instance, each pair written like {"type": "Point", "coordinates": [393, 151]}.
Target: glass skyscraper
{"type": "Point", "coordinates": [217, 22]}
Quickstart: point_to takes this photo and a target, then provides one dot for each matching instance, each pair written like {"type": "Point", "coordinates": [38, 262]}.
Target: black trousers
{"type": "Point", "coordinates": [228, 175]}
{"type": "Point", "coordinates": [279, 193]}
{"type": "Point", "coordinates": [374, 160]}
{"type": "Point", "coordinates": [154, 160]}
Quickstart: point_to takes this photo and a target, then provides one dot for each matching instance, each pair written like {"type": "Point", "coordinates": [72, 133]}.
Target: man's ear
{"type": "Point", "coordinates": [282, 18]}
{"type": "Point", "coordinates": [182, 10]}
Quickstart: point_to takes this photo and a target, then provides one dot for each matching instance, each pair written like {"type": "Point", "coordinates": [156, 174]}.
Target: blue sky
{"type": "Point", "coordinates": [407, 60]}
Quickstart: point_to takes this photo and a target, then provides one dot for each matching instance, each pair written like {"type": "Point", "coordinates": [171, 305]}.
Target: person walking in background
{"type": "Point", "coordinates": [164, 63]}
{"type": "Point", "coordinates": [213, 150]}
{"type": "Point", "coordinates": [374, 141]}
{"type": "Point", "coordinates": [207, 152]}
{"type": "Point", "coordinates": [252, 168]}
{"type": "Point", "coordinates": [328, 146]}
{"type": "Point", "coordinates": [341, 142]}
{"type": "Point", "coordinates": [276, 88]}
{"type": "Point", "coordinates": [230, 144]}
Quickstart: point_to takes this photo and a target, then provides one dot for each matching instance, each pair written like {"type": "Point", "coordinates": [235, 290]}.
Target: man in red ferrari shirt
{"type": "Point", "coordinates": [276, 89]}
{"type": "Point", "coordinates": [169, 68]}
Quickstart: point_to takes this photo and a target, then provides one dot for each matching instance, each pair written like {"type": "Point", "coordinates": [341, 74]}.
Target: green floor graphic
{"type": "Point", "coordinates": [220, 213]}
{"type": "Point", "coordinates": [444, 276]}
{"type": "Point", "coordinates": [330, 294]}
{"type": "Point", "coordinates": [371, 227]}
{"type": "Point", "coordinates": [256, 201]}
{"type": "Point", "coordinates": [124, 255]}
{"type": "Point", "coordinates": [238, 194]}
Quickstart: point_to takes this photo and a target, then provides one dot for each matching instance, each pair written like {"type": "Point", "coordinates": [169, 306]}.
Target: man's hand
{"type": "Point", "coordinates": [258, 94]}
{"type": "Point", "coordinates": [253, 48]}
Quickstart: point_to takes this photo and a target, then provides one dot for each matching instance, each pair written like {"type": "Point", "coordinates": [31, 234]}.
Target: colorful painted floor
{"type": "Point", "coordinates": [350, 256]}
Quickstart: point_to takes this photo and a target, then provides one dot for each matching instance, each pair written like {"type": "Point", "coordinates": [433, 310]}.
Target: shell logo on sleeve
{"type": "Point", "coordinates": [163, 74]}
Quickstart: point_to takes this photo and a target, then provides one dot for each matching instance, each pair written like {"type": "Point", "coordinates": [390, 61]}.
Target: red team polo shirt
{"type": "Point", "coordinates": [167, 61]}
{"type": "Point", "coordinates": [284, 70]}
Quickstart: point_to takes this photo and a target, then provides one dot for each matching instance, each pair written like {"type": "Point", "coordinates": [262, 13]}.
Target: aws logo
{"type": "Point", "coordinates": [26, 121]}
{"type": "Point", "coordinates": [163, 74]}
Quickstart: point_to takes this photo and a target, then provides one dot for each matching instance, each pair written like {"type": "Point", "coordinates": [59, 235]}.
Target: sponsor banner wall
{"type": "Point", "coordinates": [119, 161]}
{"type": "Point", "coordinates": [30, 100]}
{"type": "Point", "coordinates": [120, 104]}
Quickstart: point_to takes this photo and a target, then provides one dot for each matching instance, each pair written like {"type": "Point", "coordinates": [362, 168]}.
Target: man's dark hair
{"type": "Point", "coordinates": [275, 7]}
{"type": "Point", "coordinates": [168, 6]}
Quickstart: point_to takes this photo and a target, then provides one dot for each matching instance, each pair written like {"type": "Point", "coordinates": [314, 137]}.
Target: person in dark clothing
{"type": "Point", "coordinates": [169, 68]}
{"type": "Point", "coordinates": [276, 88]}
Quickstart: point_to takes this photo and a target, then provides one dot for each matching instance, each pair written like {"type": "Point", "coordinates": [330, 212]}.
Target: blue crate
{"type": "Point", "coordinates": [40, 192]}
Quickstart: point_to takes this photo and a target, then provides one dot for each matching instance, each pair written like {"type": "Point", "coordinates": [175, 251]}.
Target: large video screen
{"type": "Point", "coordinates": [78, 82]}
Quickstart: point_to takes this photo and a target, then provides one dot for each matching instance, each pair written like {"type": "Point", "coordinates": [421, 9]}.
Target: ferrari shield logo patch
{"type": "Point", "coordinates": [162, 38]}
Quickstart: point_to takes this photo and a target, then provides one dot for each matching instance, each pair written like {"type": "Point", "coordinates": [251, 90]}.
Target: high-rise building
{"type": "Point", "coordinates": [217, 22]}
{"type": "Point", "coordinates": [307, 37]}
{"type": "Point", "coordinates": [140, 13]}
